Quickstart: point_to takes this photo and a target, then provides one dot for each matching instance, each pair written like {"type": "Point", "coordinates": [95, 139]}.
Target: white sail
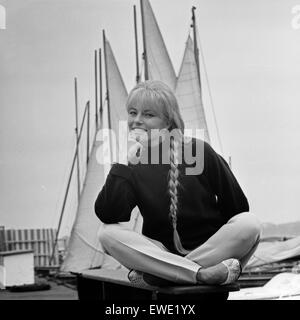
{"type": "Point", "coordinates": [188, 93]}
{"type": "Point", "coordinates": [117, 93]}
{"type": "Point", "coordinates": [84, 249]}
{"type": "Point", "coordinates": [158, 61]}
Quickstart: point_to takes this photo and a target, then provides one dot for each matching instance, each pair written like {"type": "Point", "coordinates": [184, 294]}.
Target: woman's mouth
{"type": "Point", "coordinates": [139, 129]}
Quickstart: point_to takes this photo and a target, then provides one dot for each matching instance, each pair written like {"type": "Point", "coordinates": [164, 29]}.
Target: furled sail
{"type": "Point", "coordinates": [188, 93]}
{"type": "Point", "coordinates": [158, 63]}
{"type": "Point", "coordinates": [84, 249]}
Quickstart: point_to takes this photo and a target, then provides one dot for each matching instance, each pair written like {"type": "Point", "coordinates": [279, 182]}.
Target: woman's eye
{"type": "Point", "coordinates": [149, 115]}
{"type": "Point", "coordinates": [132, 113]}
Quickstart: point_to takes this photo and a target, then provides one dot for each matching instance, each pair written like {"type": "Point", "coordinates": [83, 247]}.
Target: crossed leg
{"type": "Point", "coordinates": [236, 239]}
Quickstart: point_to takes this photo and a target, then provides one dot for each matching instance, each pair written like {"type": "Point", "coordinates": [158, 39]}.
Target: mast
{"type": "Point", "coordinates": [144, 42]}
{"type": "Point", "coordinates": [107, 94]}
{"type": "Point", "coordinates": [106, 80]}
{"type": "Point", "coordinates": [88, 133]}
{"type": "Point", "coordinates": [100, 85]}
{"type": "Point", "coordinates": [196, 50]}
{"type": "Point", "coordinates": [96, 87]}
{"type": "Point", "coordinates": [136, 47]}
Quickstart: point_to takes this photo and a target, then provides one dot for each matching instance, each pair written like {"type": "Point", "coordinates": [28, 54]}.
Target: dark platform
{"type": "Point", "coordinates": [108, 285]}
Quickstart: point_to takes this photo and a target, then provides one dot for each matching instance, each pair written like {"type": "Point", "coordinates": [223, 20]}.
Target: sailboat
{"type": "Point", "coordinates": [84, 249]}
{"type": "Point", "coordinates": [187, 85]}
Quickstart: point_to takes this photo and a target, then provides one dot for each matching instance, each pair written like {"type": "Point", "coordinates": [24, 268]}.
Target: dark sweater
{"type": "Point", "coordinates": [206, 201]}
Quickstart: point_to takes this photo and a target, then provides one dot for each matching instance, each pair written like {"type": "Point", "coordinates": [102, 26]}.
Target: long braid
{"type": "Point", "coordinates": [173, 191]}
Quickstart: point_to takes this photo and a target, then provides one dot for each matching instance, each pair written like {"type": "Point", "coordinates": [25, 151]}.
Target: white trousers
{"type": "Point", "coordinates": [238, 238]}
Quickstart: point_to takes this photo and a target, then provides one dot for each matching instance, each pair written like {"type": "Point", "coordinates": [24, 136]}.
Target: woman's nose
{"type": "Point", "coordinates": [138, 118]}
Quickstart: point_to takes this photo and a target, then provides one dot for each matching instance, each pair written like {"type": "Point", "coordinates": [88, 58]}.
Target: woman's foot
{"type": "Point", "coordinates": [144, 280]}
{"type": "Point", "coordinates": [137, 278]}
{"type": "Point", "coordinates": [225, 272]}
{"type": "Point", "coordinates": [234, 270]}
{"type": "Point", "coordinates": [212, 275]}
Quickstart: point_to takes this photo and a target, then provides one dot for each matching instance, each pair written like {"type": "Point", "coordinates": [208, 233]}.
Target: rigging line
{"type": "Point", "coordinates": [209, 92]}
{"type": "Point", "coordinates": [62, 186]}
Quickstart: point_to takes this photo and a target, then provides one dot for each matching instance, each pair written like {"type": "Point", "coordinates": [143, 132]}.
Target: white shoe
{"type": "Point", "coordinates": [137, 279]}
{"type": "Point", "coordinates": [234, 270]}
{"type": "Point", "coordinates": [146, 280]}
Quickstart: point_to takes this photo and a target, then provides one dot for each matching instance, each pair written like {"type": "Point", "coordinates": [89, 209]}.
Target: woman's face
{"type": "Point", "coordinates": [145, 118]}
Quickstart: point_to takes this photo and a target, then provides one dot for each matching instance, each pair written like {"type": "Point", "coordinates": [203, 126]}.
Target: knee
{"type": "Point", "coordinates": [250, 227]}
{"type": "Point", "coordinates": [107, 233]}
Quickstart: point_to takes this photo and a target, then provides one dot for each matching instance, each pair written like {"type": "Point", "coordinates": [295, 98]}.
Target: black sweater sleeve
{"type": "Point", "coordinates": [230, 197]}
{"type": "Point", "coordinates": [116, 200]}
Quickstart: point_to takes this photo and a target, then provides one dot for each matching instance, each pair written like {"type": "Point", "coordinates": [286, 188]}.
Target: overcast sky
{"type": "Point", "coordinates": [252, 57]}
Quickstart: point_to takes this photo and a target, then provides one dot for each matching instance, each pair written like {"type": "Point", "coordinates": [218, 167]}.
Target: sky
{"type": "Point", "coordinates": [252, 59]}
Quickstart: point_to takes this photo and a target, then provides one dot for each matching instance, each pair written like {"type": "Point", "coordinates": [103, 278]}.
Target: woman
{"type": "Point", "coordinates": [196, 227]}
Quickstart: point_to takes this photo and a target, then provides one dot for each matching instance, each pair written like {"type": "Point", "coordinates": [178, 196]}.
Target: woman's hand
{"type": "Point", "coordinates": [136, 138]}
{"type": "Point", "coordinates": [139, 139]}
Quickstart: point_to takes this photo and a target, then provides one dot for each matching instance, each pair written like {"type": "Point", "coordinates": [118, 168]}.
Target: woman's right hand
{"type": "Point", "coordinates": [135, 146]}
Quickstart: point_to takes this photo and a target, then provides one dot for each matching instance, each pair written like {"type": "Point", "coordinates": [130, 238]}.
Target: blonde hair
{"type": "Point", "coordinates": [162, 99]}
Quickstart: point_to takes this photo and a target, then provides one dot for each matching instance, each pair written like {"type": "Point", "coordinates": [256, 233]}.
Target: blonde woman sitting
{"type": "Point", "coordinates": [196, 224]}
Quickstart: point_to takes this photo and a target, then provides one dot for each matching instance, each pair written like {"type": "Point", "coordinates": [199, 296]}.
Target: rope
{"type": "Point", "coordinates": [209, 92]}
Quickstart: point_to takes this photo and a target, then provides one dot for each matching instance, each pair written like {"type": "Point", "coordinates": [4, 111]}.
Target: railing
{"type": "Point", "coordinates": [39, 240]}
{"type": "Point", "coordinates": [2, 239]}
